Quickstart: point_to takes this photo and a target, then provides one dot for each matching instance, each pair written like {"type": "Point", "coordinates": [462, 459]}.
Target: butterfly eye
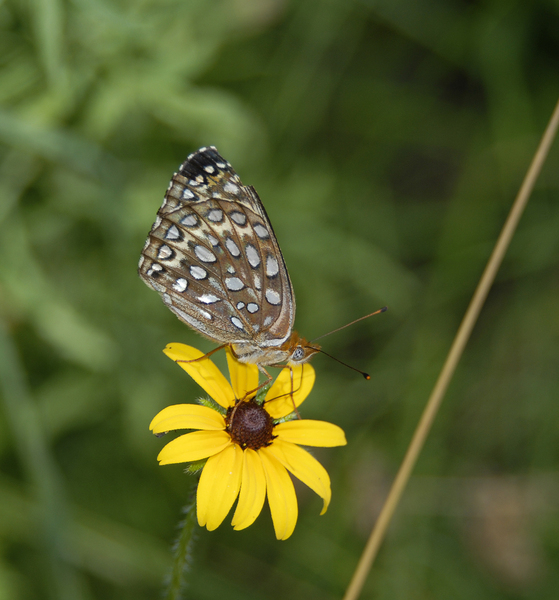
{"type": "Point", "coordinates": [298, 354]}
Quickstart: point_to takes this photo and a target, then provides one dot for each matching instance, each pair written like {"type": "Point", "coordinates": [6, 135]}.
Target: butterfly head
{"type": "Point", "coordinates": [299, 350]}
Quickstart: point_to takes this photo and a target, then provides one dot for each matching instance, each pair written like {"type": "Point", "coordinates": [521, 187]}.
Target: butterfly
{"type": "Point", "coordinates": [214, 258]}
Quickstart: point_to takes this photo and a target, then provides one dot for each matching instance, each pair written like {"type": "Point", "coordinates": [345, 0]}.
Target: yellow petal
{"type": "Point", "coordinates": [281, 495]}
{"type": "Point", "coordinates": [305, 467]}
{"type": "Point", "coordinates": [219, 486]}
{"type": "Point", "coordinates": [244, 377]}
{"type": "Point", "coordinates": [311, 433]}
{"type": "Point", "coordinates": [279, 400]}
{"type": "Point", "coordinates": [186, 416]}
{"type": "Point", "coordinates": [194, 446]}
{"type": "Point", "coordinates": [253, 491]}
{"type": "Point", "coordinates": [204, 373]}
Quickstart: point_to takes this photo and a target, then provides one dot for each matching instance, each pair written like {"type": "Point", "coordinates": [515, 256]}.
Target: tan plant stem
{"type": "Point", "coordinates": [462, 336]}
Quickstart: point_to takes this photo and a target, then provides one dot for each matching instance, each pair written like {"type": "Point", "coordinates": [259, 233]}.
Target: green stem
{"type": "Point", "coordinates": [183, 550]}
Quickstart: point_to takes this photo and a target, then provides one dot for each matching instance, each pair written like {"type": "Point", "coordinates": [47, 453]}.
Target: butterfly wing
{"type": "Point", "coordinates": [213, 257]}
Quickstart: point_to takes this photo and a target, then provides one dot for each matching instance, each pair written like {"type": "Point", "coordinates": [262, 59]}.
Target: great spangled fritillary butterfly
{"type": "Point", "coordinates": [213, 256]}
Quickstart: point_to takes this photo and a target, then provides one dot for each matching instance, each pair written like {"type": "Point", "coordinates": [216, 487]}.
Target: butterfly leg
{"type": "Point", "coordinates": [269, 378]}
{"type": "Point", "coordinates": [250, 394]}
{"type": "Point", "coordinates": [291, 393]}
{"type": "Point", "coordinates": [295, 410]}
{"type": "Point", "coordinates": [207, 355]}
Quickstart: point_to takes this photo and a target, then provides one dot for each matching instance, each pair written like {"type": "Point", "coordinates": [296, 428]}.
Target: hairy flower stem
{"type": "Point", "coordinates": [183, 551]}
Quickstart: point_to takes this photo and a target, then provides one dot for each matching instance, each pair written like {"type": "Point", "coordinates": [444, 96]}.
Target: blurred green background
{"type": "Point", "coordinates": [387, 139]}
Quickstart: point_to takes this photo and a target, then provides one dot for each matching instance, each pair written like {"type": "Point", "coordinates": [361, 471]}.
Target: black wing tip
{"type": "Point", "coordinates": [205, 151]}
{"type": "Point", "coordinates": [197, 162]}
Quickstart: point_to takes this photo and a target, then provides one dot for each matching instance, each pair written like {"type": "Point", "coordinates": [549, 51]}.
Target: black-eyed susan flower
{"type": "Point", "coordinates": [250, 446]}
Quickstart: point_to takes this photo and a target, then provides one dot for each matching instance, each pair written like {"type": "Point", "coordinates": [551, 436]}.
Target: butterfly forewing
{"type": "Point", "coordinates": [213, 256]}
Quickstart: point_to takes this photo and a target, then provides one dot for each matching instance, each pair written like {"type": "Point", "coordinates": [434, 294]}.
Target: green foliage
{"type": "Point", "coordinates": [387, 140]}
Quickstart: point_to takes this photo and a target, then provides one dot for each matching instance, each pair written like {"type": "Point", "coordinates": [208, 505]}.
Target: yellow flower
{"type": "Point", "coordinates": [250, 448]}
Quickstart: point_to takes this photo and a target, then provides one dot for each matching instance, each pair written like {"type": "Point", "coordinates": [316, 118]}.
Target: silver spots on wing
{"type": "Point", "coordinates": [261, 231]}
{"type": "Point", "coordinates": [180, 285]}
{"type": "Point", "coordinates": [190, 220]}
{"type": "Point", "coordinates": [272, 266]}
{"type": "Point", "coordinates": [198, 273]}
{"type": "Point", "coordinates": [213, 240]}
{"type": "Point", "coordinates": [205, 314]}
{"type": "Point", "coordinates": [273, 297]}
{"type": "Point", "coordinates": [165, 253]}
{"type": "Point", "coordinates": [232, 247]}
{"type": "Point", "coordinates": [257, 283]}
{"type": "Point", "coordinates": [209, 169]}
{"type": "Point", "coordinates": [238, 217]}
{"type": "Point", "coordinates": [230, 269]}
{"type": "Point", "coordinates": [268, 321]}
{"type": "Point", "coordinates": [234, 284]}
{"type": "Point", "coordinates": [187, 195]}
{"type": "Point", "coordinates": [231, 188]}
{"type": "Point", "coordinates": [155, 270]}
{"type": "Point", "coordinates": [252, 307]}
{"type": "Point", "coordinates": [204, 254]}
{"type": "Point", "coordinates": [252, 256]}
{"type": "Point", "coordinates": [240, 305]}
{"type": "Point", "coordinates": [208, 298]}
{"type": "Point", "coordinates": [173, 233]}
{"type": "Point", "coordinates": [237, 322]}
{"type": "Point", "coordinates": [215, 215]}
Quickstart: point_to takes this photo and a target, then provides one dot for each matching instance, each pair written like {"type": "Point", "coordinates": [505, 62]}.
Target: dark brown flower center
{"type": "Point", "coordinates": [249, 425]}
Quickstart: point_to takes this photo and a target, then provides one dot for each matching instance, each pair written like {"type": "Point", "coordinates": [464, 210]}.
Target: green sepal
{"type": "Point", "coordinates": [289, 417]}
{"type": "Point", "coordinates": [208, 402]}
{"type": "Point", "coordinates": [195, 467]}
{"type": "Point", "coordinates": [261, 394]}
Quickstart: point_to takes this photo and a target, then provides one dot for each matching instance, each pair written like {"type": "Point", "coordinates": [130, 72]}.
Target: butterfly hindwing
{"type": "Point", "coordinates": [213, 256]}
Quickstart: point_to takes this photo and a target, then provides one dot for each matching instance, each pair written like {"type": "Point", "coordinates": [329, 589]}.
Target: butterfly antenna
{"type": "Point", "coordinates": [365, 375]}
{"type": "Point", "coordinates": [381, 310]}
